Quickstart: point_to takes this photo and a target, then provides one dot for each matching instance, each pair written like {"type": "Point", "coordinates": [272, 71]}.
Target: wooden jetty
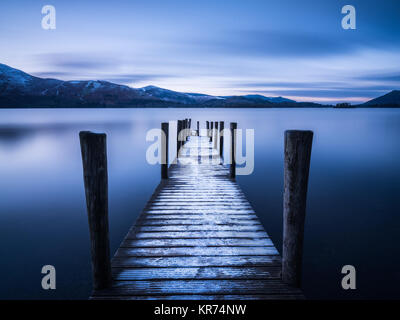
{"type": "Point", "coordinates": [197, 238]}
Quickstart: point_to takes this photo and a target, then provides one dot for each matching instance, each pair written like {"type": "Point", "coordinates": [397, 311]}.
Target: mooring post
{"type": "Point", "coordinates": [198, 128]}
{"type": "Point", "coordinates": [232, 170]}
{"type": "Point", "coordinates": [178, 137]}
{"type": "Point", "coordinates": [221, 139]}
{"type": "Point", "coordinates": [296, 170]}
{"type": "Point", "coordinates": [212, 131]}
{"type": "Point", "coordinates": [164, 150]}
{"type": "Point", "coordinates": [208, 128]}
{"type": "Point", "coordinates": [183, 130]}
{"type": "Point", "coordinates": [216, 135]}
{"type": "Point", "coordinates": [94, 160]}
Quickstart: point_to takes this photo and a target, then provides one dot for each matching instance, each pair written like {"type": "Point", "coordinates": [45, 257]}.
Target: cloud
{"type": "Point", "coordinates": [52, 74]}
{"type": "Point", "coordinates": [78, 61]}
{"type": "Point", "coordinates": [284, 84]}
{"type": "Point", "coordinates": [282, 43]}
{"type": "Point", "coordinates": [85, 66]}
{"type": "Point", "coordinates": [392, 76]}
{"type": "Point", "coordinates": [312, 93]}
{"type": "Point", "coordinates": [131, 78]}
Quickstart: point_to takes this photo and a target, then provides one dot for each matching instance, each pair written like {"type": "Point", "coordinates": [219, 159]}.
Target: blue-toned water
{"type": "Point", "coordinates": [353, 214]}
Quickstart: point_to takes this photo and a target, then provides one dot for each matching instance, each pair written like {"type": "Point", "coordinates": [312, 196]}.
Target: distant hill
{"type": "Point", "coordinates": [389, 100]}
{"type": "Point", "coordinates": [21, 90]}
{"type": "Point", "coordinates": [258, 97]}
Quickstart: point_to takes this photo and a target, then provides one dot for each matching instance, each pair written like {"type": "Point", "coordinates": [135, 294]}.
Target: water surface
{"type": "Point", "coordinates": [353, 207]}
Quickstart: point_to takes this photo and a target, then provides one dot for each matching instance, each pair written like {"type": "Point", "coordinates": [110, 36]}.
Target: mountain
{"type": "Point", "coordinates": [173, 96]}
{"type": "Point", "coordinates": [391, 99]}
{"type": "Point", "coordinates": [21, 90]}
{"type": "Point", "coordinates": [258, 97]}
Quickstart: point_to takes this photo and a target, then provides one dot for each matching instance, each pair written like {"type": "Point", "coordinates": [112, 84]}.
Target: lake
{"type": "Point", "coordinates": [353, 208]}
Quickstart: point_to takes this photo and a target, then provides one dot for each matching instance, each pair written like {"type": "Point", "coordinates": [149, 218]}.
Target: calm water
{"type": "Point", "coordinates": [353, 214]}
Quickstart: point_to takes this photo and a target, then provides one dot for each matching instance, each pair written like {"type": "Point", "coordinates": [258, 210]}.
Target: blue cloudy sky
{"type": "Point", "coordinates": [295, 49]}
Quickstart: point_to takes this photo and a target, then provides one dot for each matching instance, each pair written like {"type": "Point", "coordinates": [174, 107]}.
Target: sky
{"type": "Point", "coordinates": [291, 48]}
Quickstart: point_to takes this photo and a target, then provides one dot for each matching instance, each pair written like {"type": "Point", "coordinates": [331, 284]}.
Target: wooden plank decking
{"type": "Point", "coordinates": [197, 238]}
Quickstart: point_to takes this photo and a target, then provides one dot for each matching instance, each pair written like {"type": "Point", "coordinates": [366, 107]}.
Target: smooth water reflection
{"type": "Point", "coordinates": [353, 208]}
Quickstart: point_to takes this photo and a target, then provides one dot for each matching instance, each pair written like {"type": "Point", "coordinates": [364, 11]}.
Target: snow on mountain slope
{"type": "Point", "coordinates": [20, 89]}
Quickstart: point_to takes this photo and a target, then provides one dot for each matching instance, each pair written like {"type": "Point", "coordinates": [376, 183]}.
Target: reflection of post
{"type": "Point", "coordinates": [296, 170]}
{"type": "Point", "coordinates": [221, 139]}
{"type": "Point", "coordinates": [164, 150]}
{"type": "Point", "coordinates": [233, 150]}
{"type": "Point", "coordinates": [94, 160]}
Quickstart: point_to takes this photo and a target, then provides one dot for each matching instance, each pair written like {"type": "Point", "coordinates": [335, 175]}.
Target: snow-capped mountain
{"type": "Point", "coordinates": [19, 89]}
{"type": "Point", "coordinates": [174, 96]}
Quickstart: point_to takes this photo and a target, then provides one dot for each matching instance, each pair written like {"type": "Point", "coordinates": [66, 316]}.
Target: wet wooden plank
{"type": "Point", "coordinates": [226, 242]}
{"type": "Point", "coordinates": [197, 261]}
{"type": "Point", "coordinates": [199, 228]}
{"type": "Point", "coordinates": [212, 211]}
{"type": "Point", "coordinates": [198, 234]}
{"type": "Point", "coordinates": [198, 221]}
{"type": "Point", "coordinates": [194, 286]}
{"type": "Point", "coordinates": [195, 251]}
{"type": "Point", "coordinates": [200, 273]}
{"type": "Point", "coordinates": [185, 215]}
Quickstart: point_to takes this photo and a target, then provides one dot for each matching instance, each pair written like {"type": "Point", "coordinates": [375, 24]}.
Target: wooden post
{"type": "Point", "coordinates": [164, 150]}
{"type": "Point", "coordinates": [221, 139]}
{"type": "Point", "coordinates": [216, 135]}
{"type": "Point", "coordinates": [183, 130]}
{"type": "Point", "coordinates": [178, 137]}
{"type": "Point", "coordinates": [296, 169]}
{"type": "Point", "coordinates": [208, 128]}
{"type": "Point", "coordinates": [232, 170]}
{"type": "Point", "coordinates": [212, 131]}
{"type": "Point", "coordinates": [198, 128]}
{"type": "Point", "coordinates": [94, 160]}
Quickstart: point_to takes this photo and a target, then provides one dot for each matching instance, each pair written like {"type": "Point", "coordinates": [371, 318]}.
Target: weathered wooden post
{"type": "Point", "coordinates": [296, 169]}
{"type": "Point", "coordinates": [183, 130]}
{"type": "Point", "coordinates": [164, 150]}
{"type": "Point", "coordinates": [208, 128]}
{"type": "Point", "coordinates": [198, 128]}
{"type": "Point", "coordinates": [221, 139]}
{"type": "Point", "coordinates": [232, 170]}
{"type": "Point", "coordinates": [94, 160]}
{"type": "Point", "coordinates": [212, 131]}
{"type": "Point", "coordinates": [178, 137]}
{"type": "Point", "coordinates": [216, 135]}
